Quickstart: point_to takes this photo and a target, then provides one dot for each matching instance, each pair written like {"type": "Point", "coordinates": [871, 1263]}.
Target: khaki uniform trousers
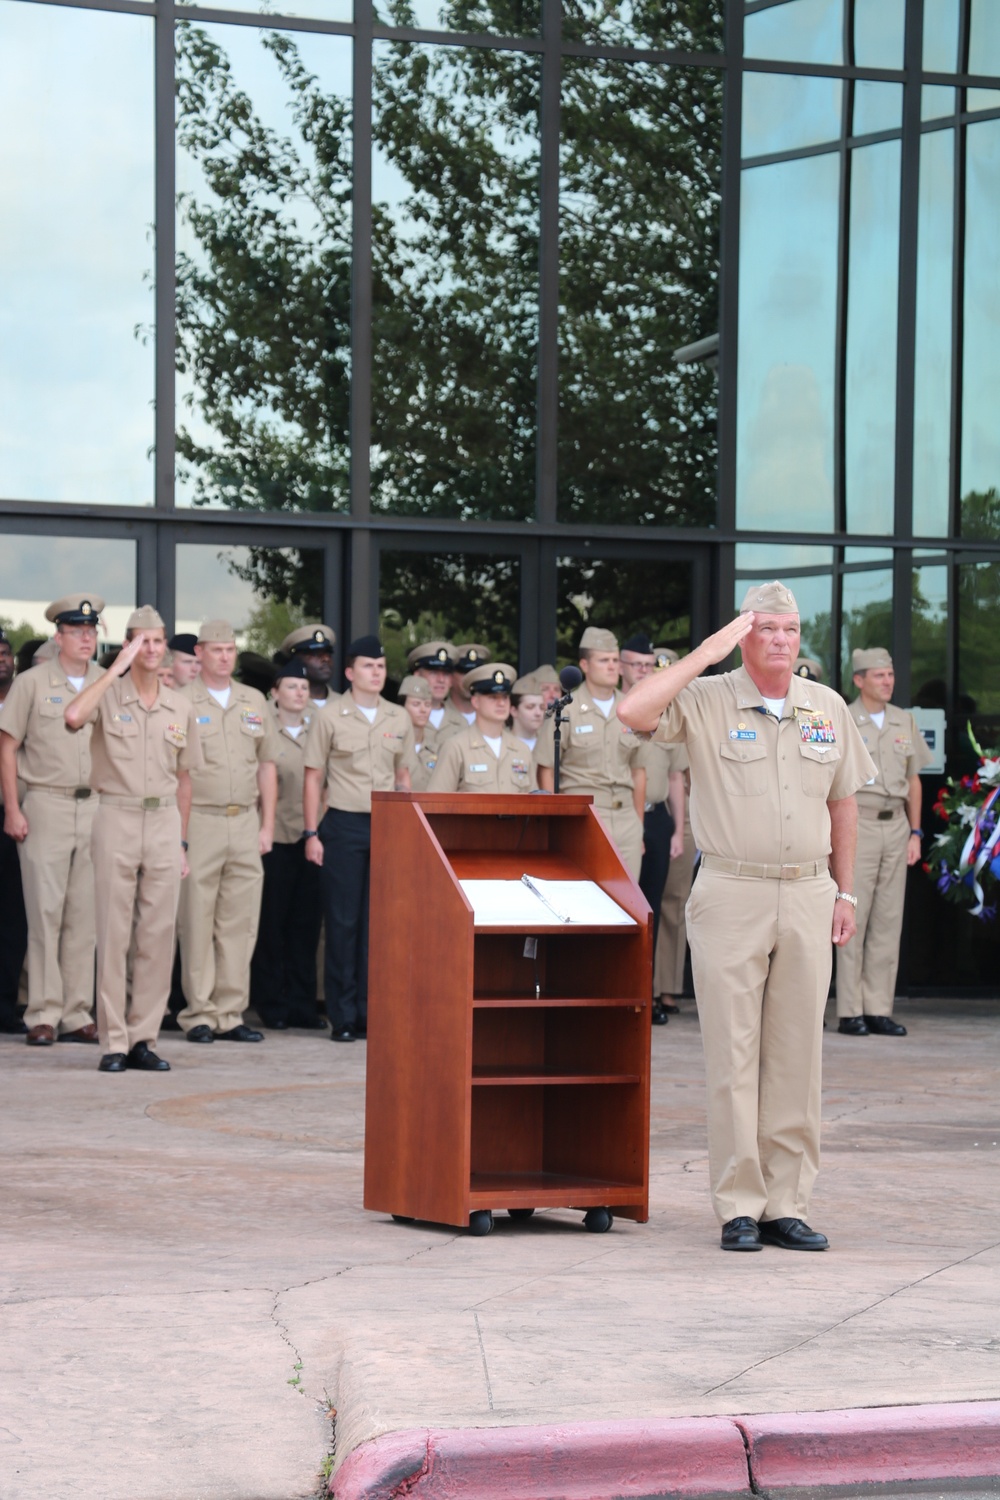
{"type": "Point", "coordinates": [625, 831]}
{"type": "Point", "coordinates": [58, 882]}
{"type": "Point", "coordinates": [671, 940]}
{"type": "Point", "coordinates": [219, 914]}
{"type": "Point", "coordinates": [866, 968]}
{"type": "Point", "coordinates": [761, 956]}
{"type": "Point", "coordinates": [137, 870]}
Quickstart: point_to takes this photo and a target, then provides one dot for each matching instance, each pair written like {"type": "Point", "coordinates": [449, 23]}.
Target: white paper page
{"type": "Point", "coordinates": [507, 903]}
{"type": "Point", "coordinates": [582, 901]}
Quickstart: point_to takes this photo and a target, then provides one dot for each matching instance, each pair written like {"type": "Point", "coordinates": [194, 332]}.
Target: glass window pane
{"type": "Point", "coordinates": [34, 570]}
{"type": "Point", "coordinates": [808, 572]}
{"type": "Point", "coordinates": [264, 592]}
{"type": "Point", "coordinates": [639, 253]}
{"type": "Point", "coordinates": [688, 25]}
{"type": "Point", "coordinates": [978, 631]}
{"type": "Point", "coordinates": [625, 596]}
{"type": "Point", "coordinates": [782, 112]}
{"type": "Point", "coordinates": [984, 38]}
{"type": "Point", "coordinates": [455, 264]}
{"type": "Point", "coordinates": [980, 487]}
{"type": "Point", "coordinates": [941, 35]}
{"type": "Point", "coordinates": [865, 606]}
{"type": "Point", "coordinates": [497, 17]}
{"type": "Point", "coordinates": [787, 341]}
{"type": "Point", "coordinates": [873, 279]}
{"type": "Point", "coordinates": [799, 31]}
{"type": "Point", "coordinates": [310, 10]}
{"type": "Point", "coordinates": [76, 255]}
{"type": "Point", "coordinates": [263, 268]}
{"type": "Point", "coordinates": [936, 101]}
{"type": "Point", "coordinates": [929, 638]}
{"type": "Point", "coordinates": [932, 365]}
{"type": "Point", "coordinates": [877, 106]}
{"type": "Point", "coordinates": [878, 33]}
{"type": "Point", "coordinates": [976, 99]}
{"type": "Point", "coordinates": [455, 596]}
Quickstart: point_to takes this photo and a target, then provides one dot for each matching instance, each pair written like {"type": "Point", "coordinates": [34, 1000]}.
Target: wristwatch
{"type": "Point", "coordinates": [916, 833]}
{"type": "Point", "coordinates": [310, 833]}
{"type": "Point", "coordinates": [846, 896]}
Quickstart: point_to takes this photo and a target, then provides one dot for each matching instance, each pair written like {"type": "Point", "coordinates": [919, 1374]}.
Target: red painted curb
{"type": "Point", "coordinates": [688, 1456]}
{"type": "Point", "coordinates": [801, 1449]}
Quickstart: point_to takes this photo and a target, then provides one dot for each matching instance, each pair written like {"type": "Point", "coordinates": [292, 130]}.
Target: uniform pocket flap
{"type": "Point", "coordinates": [825, 754]}
{"type": "Point", "coordinates": [743, 750]}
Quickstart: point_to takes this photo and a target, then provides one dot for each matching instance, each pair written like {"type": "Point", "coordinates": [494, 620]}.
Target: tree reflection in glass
{"type": "Point", "coordinates": [456, 596]}
{"type": "Point", "coordinates": [687, 25]}
{"type": "Point", "coordinates": [980, 457]}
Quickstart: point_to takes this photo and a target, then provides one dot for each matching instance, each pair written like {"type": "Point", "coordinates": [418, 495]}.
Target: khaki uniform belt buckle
{"type": "Point", "coordinates": [150, 803]}
{"type": "Point", "coordinates": [616, 804]}
{"type": "Point", "coordinates": [232, 808]}
{"type": "Point", "coordinates": [81, 793]}
{"type": "Point", "coordinates": [789, 872]}
{"type": "Point", "coordinates": [886, 814]}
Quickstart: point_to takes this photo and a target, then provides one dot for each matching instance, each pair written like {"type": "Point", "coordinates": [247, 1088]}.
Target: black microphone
{"type": "Point", "coordinates": [569, 678]}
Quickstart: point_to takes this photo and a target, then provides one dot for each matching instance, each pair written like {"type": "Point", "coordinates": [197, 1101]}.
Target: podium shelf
{"type": "Point", "coordinates": [549, 1190]}
{"type": "Point", "coordinates": [557, 1002]}
{"type": "Point", "coordinates": [503, 1076]}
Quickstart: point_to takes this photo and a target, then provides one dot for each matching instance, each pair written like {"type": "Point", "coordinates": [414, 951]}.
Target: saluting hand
{"type": "Point", "coordinates": [127, 655]}
{"type": "Point", "coordinates": [720, 645]}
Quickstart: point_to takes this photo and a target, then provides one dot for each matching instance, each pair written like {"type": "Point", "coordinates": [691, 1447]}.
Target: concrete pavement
{"type": "Point", "coordinates": [191, 1289]}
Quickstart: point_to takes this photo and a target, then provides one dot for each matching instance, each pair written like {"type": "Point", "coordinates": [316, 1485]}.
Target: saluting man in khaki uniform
{"type": "Point", "coordinates": [415, 696]}
{"type": "Point", "coordinates": [434, 661]}
{"type": "Point", "coordinates": [359, 745]}
{"type": "Point", "coordinates": [889, 836]}
{"type": "Point", "coordinates": [53, 825]}
{"type": "Point", "coordinates": [220, 900]}
{"type": "Point", "coordinates": [144, 745]}
{"type": "Point", "coordinates": [486, 757]}
{"type": "Point", "coordinates": [775, 763]}
{"type": "Point", "coordinates": [599, 753]}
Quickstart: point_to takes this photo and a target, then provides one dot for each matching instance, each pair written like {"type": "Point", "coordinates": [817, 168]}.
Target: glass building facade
{"type": "Point", "coordinates": [496, 317]}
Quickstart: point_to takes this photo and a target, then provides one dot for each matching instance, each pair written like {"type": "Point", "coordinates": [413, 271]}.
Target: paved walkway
{"type": "Point", "coordinates": [190, 1285]}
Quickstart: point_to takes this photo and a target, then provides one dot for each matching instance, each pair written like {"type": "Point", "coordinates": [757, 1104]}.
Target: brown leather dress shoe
{"type": "Point", "coordinates": [86, 1033]}
{"type": "Point", "coordinates": [40, 1036]}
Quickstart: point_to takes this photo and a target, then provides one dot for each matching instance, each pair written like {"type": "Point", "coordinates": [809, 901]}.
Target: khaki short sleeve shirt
{"type": "Point", "coordinates": [661, 761]}
{"type": "Point", "coordinates": [359, 758]}
{"type": "Point", "coordinates": [290, 763]}
{"type": "Point", "coordinates": [898, 750]}
{"type": "Point", "coordinates": [759, 788]}
{"type": "Point", "coordinates": [466, 763]}
{"type": "Point", "coordinates": [138, 751]}
{"type": "Point", "coordinates": [452, 723]}
{"type": "Point", "coordinates": [235, 740]}
{"type": "Point", "coordinates": [425, 758]}
{"type": "Point", "coordinates": [598, 752]}
{"type": "Point", "coordinates": [50, 754]}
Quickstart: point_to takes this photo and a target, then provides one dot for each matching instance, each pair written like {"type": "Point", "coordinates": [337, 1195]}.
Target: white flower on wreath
{"type": "Point", "coordinates": [989, 772]}
{"type": "Point", "coordinates": [968, 816]}
{"type": "Point", "coordinates": [942, 838]}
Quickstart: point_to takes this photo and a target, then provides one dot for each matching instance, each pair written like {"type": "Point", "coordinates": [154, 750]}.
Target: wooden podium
{"type": "Point", "coordinates": [498, 1080]}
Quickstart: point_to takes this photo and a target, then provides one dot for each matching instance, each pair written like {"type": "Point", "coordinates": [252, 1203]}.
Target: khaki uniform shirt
{"type": "Point", "coordinates": [466, 763]}
{"type": "Point", "coordinates": [20, 783]}
{"type": "Point", "coordinates": [234, 742]}
{"type": "Point", "coordinates": [50, 754]}
{"type": "Point", "coordinates": [898, 750]}
{"type": "Point", "coordinates": [425, 758]}
{"type": "Point", "coordinates": [452, 723]}
{"type": "Point", "coordinates": [661, 762]}
{"type": "Point", "coordinates": [137, 751]}
{"type": "Point", "coordinates": [289, 823]}
{"type": "Point", "coordinates": [597, 754]}
{"type": "Point", "coordinates": [759, 789]}
{"type": "Point", "coordinates": [359, 758]}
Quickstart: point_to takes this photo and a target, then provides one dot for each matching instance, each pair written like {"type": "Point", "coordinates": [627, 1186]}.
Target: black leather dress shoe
{"type": "Point", "coordinates": [345, 1034]}
{"type": "Point", "coordinates": [112, 1062]}
{"type": "Point", "coordinates": [884, 1026]}
{"type": "Point", "coordinates": [852, 1026]}
{"type": "Point", "coordinates": [792, 1234]}
{"type": "Point", "coordinates": [241, 1034]}
{"type": "Point", "coordinates": [279, 1025]}
{"type": "Point", "coordinates": [741, 1234]}
{"type": "Point", "coordinates": [201, 1034]}
{"type": "Point", "coordinates": [308, 1023]}
{"type": "Point", "coordinates": [670, 1008]}
{"type": "Point", "coordinates": [659, 1016]}
{"type": "Point", "coordinates": [142, 1056]}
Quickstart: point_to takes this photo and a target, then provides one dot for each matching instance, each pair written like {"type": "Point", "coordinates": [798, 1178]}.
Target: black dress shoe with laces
{"type": "Point", "coordinates": [112, 1062]}
{"type": "Point", "coordinates": [884, 1026]}
{"type": "Point", "coordinates": [241, 1034]}
{"type": "Point", "coordinates": [792, 1234]}
{"type": "Point", "coordinates": [142, 1056]}
{"type": "Point", "coordinates": [201, 1034]}
{"type": "Point", "coordinates": [659, 1016]}
{"type": "Point", "coordinates": [345, 1034]}
{"type": "Point", "coordinates": [741, 1234]}
{"type": "Point", "coordinates": [852, 1026]}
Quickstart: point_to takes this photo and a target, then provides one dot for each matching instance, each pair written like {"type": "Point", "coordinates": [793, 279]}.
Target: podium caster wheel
{"type": "Point", "coordinates": [520, 1213]}
{"type": "Point", "coordinates": [480, 1222]}
{"type": "Point", "coordinates": [598, 1220]}
{"type": "Point", "coordinates": [403, 1219]}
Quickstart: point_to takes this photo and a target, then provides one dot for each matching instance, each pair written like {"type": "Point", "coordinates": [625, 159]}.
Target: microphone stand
{"type": "Point", "coordinates": [558, 719]}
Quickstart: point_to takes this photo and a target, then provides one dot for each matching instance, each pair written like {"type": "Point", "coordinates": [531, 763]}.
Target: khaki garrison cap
{"type": "Point", "coordinates": [491, 677]}
{"type": "Point", "coordinates": [216, 633]}
{"type": "Point", "coordinates": [75, 609]}
{"type": "Point", "coordinates": [595, 639]}
{"type": "Point", "coordinates": [527, 686]}
{"type": "Point", "coordinates": [308, 638]}
{"type": "Point", "coordinates": [144, 618]}
{"type": "Point", "coordinates": [865, 661]}
{"type": "Point", "coordinates": [665, 657]}
{"type": "Point", "coordinates": [46, 651]}
{"type": "Point", "coordinates": [471, 656]}
{"type": "Point", "coordinates": [415, 687]}
{"type": "Point", "coordinates": [439, 655]}
{"type": "Point", "coordinates": [546, 676]}
{"type": "Point", "coordinates": [809, 668]}
{"type": "Point", "coordinates": [769, 599]}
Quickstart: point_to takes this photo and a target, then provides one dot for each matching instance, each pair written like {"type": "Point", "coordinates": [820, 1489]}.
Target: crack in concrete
{"type": "Point", "coordinates": [486, 1368]}
{"type": "Point", "coordinates": [509, 1291]}
{"type": "Point", "coordinates": [859, 1312]}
